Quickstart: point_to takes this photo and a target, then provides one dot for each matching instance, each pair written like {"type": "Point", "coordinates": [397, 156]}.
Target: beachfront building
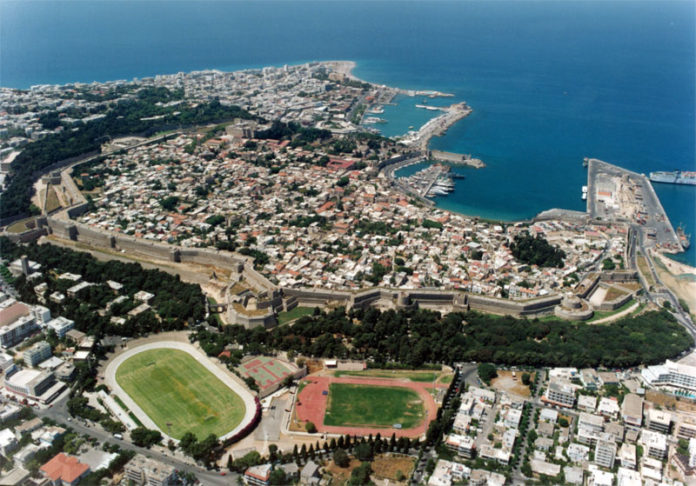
{"type": "Point", "coordinates": [671, 374]}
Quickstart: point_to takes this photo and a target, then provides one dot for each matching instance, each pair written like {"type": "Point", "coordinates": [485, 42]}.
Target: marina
{"type": "Point", "coordinates": [434, 180]}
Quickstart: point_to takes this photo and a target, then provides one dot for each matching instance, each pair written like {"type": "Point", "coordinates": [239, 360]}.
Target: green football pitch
{"type": "Point", "coordinates": [179, 394]}
{"type": "Point", "coordinates": [373, 406]}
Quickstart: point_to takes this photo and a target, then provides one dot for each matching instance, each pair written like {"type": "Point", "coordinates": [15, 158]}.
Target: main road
{"type": "Point", "coordinates": [59, 413]}
{"type": "Point", "coordinates": [662, 293]}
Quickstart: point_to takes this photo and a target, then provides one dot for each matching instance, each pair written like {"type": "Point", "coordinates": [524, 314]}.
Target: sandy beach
{"type": "Point", "coordinates": [679, 277]}
{"type": "Point", "coordinates": [343, 67]}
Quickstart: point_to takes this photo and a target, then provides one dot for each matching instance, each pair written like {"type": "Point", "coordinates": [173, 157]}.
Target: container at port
{"type": "Point", "coordinates": [674, 177]}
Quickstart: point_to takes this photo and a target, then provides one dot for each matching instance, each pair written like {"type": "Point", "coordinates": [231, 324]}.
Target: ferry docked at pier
{"type": "Point", "coordinates": [684, 239]}
{"type": "Point", "coordinates": [674, 177]}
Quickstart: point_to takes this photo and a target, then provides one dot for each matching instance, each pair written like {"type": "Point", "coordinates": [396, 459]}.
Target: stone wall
{"type": "Point", "coordinates": [289, 298]}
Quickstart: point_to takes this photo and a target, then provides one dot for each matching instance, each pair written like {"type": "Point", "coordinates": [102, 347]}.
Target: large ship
{"type": "Point", "coordinates": [675, 177]}
{"type": "Point", "coordinates": [684, 239]}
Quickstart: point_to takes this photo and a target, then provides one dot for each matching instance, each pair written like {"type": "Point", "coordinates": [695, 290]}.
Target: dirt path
{"type": "Point", "coordinates": [313, 399]}
{"type": "Point", "coordinates": [618, 315]}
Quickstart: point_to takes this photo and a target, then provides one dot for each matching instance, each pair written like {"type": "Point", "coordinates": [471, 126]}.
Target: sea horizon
{"type": "Point", "coordinates": [549, 83]}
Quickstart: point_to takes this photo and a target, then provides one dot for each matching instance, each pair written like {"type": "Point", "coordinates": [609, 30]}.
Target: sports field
{"type": "Point", "coordinates": [375, 406]}
{"type": "Point", "coordinates": [266, 371]}
{"type": "Point", "coordinates": [179, 394]}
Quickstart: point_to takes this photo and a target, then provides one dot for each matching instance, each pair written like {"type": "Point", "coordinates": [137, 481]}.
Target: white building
{"type": "Point", "coordinates": [659, 420]}
{"type": "Point", "coordinates": [16, 323]}
{"type": "Point", "coordinates": [627, 455]}
{"type": "Point", "coordinates": [654, 444]}
{"type": "Point", "coordinates": [605, 451]}
{"type": "Point", "coordinates": [36, 354]}
{"type": "Point", "coordinates": [608, 407]}
{"type": "Point", "coordinates": [671, 374]}
{"type": "Point", "coordinates": [463, 445]}
{"type": "Point", "coordinates": [145, 471]}
{"type": "Point", "coordinates": [8, 442]}
{"type": "Point", "coordinates": [560, 393]}
{"type": "Point", "coordinates": [447, 472]}
{"type": "Point", "coordinates": [61, 326]}
{"type": "Point", "coordinates": [30, 383]}
{"type": "Point", "coordinates": [628, 477]}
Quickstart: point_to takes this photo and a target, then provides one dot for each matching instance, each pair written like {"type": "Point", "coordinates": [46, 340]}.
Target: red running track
{"type": "Point", "coordinates": [311, 405]}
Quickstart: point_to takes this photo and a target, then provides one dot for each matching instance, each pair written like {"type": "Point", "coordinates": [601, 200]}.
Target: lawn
{"type": "Point", "coordinates": [296, 313]}
{"type": "Point", "coordinates": [602, 314]}
{"type": "Point", "coordinates": [373, 406]}
{"type": "Point", "coordinates": [172, 387]}
{"type": "Point", "coordinates": [52, 202]}
{"type": "Point", "coordinates": [19, 226]}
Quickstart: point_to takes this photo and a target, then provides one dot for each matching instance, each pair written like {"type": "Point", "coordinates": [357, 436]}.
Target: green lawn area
{"type": "Point", "coordinates": [52, 202]}
{"type": "Point", "coordinates": [413, 375]}
{"type": "Point", "coordinates": [447, 379]}
{"type": "Point", "coordinates": [216, 316]}
{"type": "Point", "coordinates": [19, 226]}
{"type": "Point", "coordinates": [172, 387]}
{"type": "Point", "coordinates": [373, 406]}
{"type": "Point", "coordinates": [296, 313]}
{"type": "Point", "coordinates": [602, 314]}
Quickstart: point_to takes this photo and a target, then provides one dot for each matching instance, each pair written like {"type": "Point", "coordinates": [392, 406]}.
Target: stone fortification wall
{"type": "Point", "coordinates": [296, 296]}
{"type": "Point", "coordinates": [78, 210]}
{"type": "Point", "coordinates": [266, 320]}
{"type": "Point", "coordinates": [162, 251]}
{"type": "Point", "coordinates": [434, 297]}
{"type": "Point", "coordinates": [611, 305]}
{"type": "Point", "coordinates": [290, 303]}
{"type": "Point", "coordinates": [620, 276]}
{"type": "Point", "coordinates": [590, 286]}
{"type": "Point", "coordinates": [256, 279]}
{"type": "Point", "coordinates": [399, 158]}
{"type": "Point", "coordinates": [573, 314]}
{"type": "Point", "coordinates": [318, 296]}
{"type": "Point", "coordinates": [542, 305]}
{"type": "Point", "coordinates": [27, 236]}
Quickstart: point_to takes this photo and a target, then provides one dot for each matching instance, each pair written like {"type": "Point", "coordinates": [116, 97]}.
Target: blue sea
{"type": "Point", "coordinates": [550, 82]}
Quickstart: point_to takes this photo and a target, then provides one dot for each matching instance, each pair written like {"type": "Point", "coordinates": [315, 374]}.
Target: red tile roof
{"type": "Point", "coordinates": [65, 468]}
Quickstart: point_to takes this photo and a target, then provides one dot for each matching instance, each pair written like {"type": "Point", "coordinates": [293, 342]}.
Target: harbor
{"type": "Point", "coordinates": [433, 180]}
{"type": "Point", "coordinates": [619, 195]}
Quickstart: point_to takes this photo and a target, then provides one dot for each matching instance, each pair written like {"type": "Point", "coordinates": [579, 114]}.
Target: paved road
{"type": "Point", "coordinates": [661, 292]}
{"type": "Point", "coordinates": [59, 413]}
